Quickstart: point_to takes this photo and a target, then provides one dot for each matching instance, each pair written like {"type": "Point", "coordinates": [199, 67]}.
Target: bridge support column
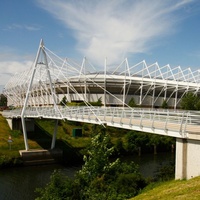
{"type": "Point", "coordinates": [187, 158]}
{"type": "Point", "coordinates": [54, 135]}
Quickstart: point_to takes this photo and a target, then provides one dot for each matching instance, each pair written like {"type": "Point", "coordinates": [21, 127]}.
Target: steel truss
{"type": "Point", "coordinates": [150, 85]}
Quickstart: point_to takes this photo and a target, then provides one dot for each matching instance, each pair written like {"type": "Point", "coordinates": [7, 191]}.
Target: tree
{"type": "Point", "coordinates": [132, 103]}
{"type": "Point", "coordinates": [3, 100]}
{"type": "Point", "coordinates": [154, 140]}
{"type": "Point", "coordinates": [119, 148]}
{"type": "Point", "coordinates": [97, 161]}
{"type": "Point", "coordinates": [164, 104]}
{"type": "Point", "coordinates": [63, 101]}
{"type": "Point", "coordinates": [136, 140]}
{"type": "Point", "coordinates": [190, 102]}
{"type": "Point", "coordinates": [105, 179]}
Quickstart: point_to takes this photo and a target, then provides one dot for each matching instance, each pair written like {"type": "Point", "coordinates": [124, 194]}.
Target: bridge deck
{"type": "Point", "coordinates": [179, 124]}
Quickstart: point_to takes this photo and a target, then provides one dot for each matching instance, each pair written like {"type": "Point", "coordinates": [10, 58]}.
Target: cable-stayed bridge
{"type": "Point", "coordinates": [38, 92]}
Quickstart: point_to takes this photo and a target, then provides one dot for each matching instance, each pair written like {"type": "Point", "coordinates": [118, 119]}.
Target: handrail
{"type": "Point", "coordinates": [164, 120]}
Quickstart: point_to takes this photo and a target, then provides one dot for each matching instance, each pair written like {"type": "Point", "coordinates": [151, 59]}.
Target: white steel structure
{"type": "Point", "coordinates": [149, 85]}
{"type": "Point", "coordinates": [38, 91]}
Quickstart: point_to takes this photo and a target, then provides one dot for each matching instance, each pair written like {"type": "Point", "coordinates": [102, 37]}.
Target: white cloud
{"type": "Point", "coordinates": [31, 27]}
{"type": "Point", "coordinates": [11, 63]}
{"type": "Point", "coordinates": [115, 28]}
{"type": "Point", "coordinates": [9, 68]}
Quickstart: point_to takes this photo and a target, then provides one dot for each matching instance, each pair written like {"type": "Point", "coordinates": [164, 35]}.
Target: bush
{"type": "Point", "coordinates": [59, 187]}
{"type": "Point", "coordinates": [129, 184]}
{"type": "Point", "coordinates": [164, 105]}
{"type": "Point", "coordinates": [119, 148]}
{"type": "Point", "coordinates": [132, 103]}
{"type": "Point", "coordinates": [85, 127]}
{"type": "Point", "coordinates": [166, 172]}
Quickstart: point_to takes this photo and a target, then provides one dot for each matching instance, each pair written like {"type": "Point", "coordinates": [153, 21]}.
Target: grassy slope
{"type": "Point", "coordinates": [64, 132]}
{"type": "Point", "coordinates": [18, 140]}
{"type": "Point", "coordinates": [189, 189]}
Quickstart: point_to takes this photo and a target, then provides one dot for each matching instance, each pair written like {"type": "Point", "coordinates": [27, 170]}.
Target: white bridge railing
{"type": "Point", "coordinates": [176, 123]}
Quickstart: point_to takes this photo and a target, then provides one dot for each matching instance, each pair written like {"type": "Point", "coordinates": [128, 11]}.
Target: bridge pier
{"type": "Point", "coordinates": [187, 158]}
{"type": "Point", "coordinates": [54, 134]}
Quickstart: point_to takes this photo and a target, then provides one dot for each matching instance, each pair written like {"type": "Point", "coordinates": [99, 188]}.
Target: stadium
{"type": "Point", "coordinates": [147, 85]}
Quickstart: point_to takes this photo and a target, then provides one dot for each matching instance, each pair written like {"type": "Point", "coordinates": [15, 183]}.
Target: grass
{"type": "Point", "coordinates": [17, 138]}
{"type": "Point", "coordinates": [64, 132]}
{"type": "Point", "coordinates": [176, 190]}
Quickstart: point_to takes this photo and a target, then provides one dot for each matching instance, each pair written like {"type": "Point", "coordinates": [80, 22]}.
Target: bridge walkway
{"type": "Point", "coordinates": [174, 123]}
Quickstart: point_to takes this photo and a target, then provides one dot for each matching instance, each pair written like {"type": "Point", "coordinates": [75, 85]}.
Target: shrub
{"type": "Point", "coordinates": [129, 184]}
{"type": "Point", "coordinates": [59, 187]}
{"type": "Point", "coordinates": [166, 172]}
{"type": "Point", "coordinates": [164, 104]}
{"type": "Point", "coordinates": [132, 103]}
{"type": "Point", "coordinates": [119, 148]}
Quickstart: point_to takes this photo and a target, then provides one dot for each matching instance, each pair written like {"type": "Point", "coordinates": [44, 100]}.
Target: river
{"type": "Point", "coordinates": [20, 183]}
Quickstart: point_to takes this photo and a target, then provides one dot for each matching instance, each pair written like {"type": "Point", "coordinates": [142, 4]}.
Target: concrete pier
{"type": "Point", "coordinates": [43, 156]}
{"type": "Point", "coordinates": [187, 158]}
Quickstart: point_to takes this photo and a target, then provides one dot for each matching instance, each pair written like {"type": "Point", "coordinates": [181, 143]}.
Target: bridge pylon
{"type": "Point", "coordinates": [40, 74]}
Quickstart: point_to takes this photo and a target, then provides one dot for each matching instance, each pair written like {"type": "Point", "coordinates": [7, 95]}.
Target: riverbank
{"type": "Point", "coordinates": [11, 141]}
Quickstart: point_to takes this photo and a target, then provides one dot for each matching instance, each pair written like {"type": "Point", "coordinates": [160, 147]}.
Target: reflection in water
{"type": "Point", "coordinates": [149, 163]}
{"type": "Point", "coordinates": [20, 183]}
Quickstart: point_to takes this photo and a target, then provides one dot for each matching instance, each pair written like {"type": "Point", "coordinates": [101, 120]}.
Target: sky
{"type": "Point", "coordinates": [167, 32]}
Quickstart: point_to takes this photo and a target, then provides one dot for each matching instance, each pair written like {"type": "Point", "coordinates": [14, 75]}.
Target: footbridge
{"type": "Point", "coordinates": [36, 94]}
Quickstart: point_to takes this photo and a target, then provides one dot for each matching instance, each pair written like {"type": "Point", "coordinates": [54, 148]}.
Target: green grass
{"type": "Point", "coordinates": [17, 138]}
{"type": "Point", "coordinates": [180, 189]}
{"type": "Point", "coordinates": [64, 132]}
{"type": "Point", "coordinates": [65, 129]}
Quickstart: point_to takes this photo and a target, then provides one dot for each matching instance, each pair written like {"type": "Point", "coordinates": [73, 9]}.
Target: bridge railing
{"type": "Point", "coordinates": [177, 120]}
{"type": "Point", "coordinates": [174, 116]}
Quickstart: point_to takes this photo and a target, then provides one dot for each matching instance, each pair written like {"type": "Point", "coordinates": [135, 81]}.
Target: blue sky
{"type": "Point", "coordinates": [167, 32]}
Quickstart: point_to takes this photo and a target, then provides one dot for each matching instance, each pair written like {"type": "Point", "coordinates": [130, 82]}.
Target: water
{"type": "Point", "coordinates": [150, 163]}
{"type": "Point", "coordinates": [20, 183]}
